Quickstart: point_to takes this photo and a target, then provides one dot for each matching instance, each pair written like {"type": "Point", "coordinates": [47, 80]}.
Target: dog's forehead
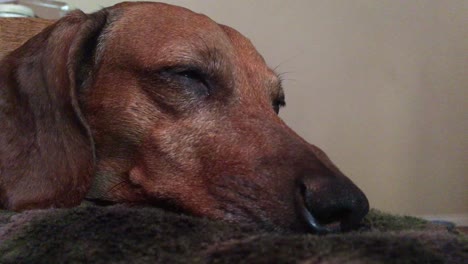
{"type": "Point", "coordinates": [155, 34]}
{"type": "Point", "coordinates": [253, 62]}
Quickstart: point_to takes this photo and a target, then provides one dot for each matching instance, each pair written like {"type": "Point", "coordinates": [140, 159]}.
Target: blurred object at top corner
{"type": "Point", "coordinates": [34, 8]}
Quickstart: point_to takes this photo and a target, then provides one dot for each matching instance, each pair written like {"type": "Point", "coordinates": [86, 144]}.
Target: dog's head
{"type": "Point", "coordinates": [151, 103]}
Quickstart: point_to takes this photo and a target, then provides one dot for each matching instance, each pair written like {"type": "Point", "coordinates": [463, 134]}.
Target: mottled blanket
{"type": "Point", "coordinates": [119, 234]}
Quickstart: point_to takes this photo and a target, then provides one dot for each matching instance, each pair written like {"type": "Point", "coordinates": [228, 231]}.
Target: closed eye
{"type": "Point", "coordinates": [192, 79]}
{"type": "Point", "coordinates": [192, 74]}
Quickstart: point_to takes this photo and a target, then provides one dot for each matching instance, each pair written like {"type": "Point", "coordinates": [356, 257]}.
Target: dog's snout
{"type": "Point", "coordinates": [327, 200]}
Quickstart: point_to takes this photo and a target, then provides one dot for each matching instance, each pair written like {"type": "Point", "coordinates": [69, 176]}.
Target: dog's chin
{"type": "Point", "coordinates": [234, 206]}
{"type": "Point", "coordinates": [251, 218]}
{"type": "Point", "coordinates": [255, 217]}
{"type": "Point", "coordinates": [301, 220]}
{"type": "Point", "coordinates": [232, 213]}
{"type": "Point", "coordinates": [278, 224]}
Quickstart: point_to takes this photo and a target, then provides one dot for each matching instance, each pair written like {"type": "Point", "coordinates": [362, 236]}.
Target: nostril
{"type": "Point", "coordinates": [303, 197]}
{"type": "Point", "coordinates": [303, 190]}
{"type": "Point", "coordinates": [332, 215]}
{"type": "Point", "coordinates": [343, 205]}
{"type": "Point", "coordinates": [309, 219]}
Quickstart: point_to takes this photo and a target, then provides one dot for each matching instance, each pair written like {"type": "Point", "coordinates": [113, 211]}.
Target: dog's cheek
{"type": "Point", "coordinates": [136, 176]}
{"type": "Point", "coordinates": [167, 161]}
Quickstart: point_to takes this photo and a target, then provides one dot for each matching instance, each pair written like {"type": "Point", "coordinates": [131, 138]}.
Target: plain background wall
{"type": "Point", "coordinates": [381, 86]}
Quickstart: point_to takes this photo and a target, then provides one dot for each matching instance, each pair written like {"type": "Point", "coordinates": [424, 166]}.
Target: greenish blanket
{"type": "Point", "coordinates": [119, 234]}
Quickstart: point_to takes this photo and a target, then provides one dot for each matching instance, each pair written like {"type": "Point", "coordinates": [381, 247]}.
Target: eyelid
{"type": "Point", "coordinates": [191, 73]}
{"type": "Point", "coordinates": [184, 68]}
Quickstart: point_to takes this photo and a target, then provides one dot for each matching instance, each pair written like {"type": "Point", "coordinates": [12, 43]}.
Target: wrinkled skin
{"type": "Point", "coordinates": [162, 106]}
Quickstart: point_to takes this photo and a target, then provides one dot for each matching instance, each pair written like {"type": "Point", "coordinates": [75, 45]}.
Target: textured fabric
{"type": "Point", "coordinates": [119, 234]}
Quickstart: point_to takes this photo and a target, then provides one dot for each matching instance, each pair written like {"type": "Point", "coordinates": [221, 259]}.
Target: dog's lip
{"type": "Point", "coordinates": [312, 222]}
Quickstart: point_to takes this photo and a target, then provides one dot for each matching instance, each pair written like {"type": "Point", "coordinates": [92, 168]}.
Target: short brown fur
{"type": "Point", "coordinates": [147, 103]}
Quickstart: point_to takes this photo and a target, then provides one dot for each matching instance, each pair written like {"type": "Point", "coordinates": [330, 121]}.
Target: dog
{"type": "Point", "coordinates": [151, 104]}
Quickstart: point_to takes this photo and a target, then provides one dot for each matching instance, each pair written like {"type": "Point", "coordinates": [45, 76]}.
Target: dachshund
{"type": "Point", "coordinates": [151, 104]}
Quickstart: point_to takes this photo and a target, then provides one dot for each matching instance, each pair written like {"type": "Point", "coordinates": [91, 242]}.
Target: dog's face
{"type": "Point", "coordinates": [195, 107]}
{"type": "Point", "coordinates": [183, 113]}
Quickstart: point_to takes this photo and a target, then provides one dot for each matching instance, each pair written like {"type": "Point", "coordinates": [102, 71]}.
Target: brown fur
{"type": "Point", "coordinates": [151, 103]}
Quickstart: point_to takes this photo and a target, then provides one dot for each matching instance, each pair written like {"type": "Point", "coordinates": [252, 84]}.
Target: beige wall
{"type": "Point", "coordinates": [381, 86]}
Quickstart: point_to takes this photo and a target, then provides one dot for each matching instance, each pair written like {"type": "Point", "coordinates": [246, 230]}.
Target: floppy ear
{"type": "Point", "coordinates": [46, 148]}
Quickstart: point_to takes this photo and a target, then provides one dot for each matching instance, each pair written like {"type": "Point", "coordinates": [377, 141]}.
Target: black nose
{"type": "Point", "coordinates": [324, 200]}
